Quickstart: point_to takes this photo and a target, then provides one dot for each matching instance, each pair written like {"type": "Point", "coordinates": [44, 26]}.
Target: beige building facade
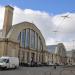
{"type": "Point", "coordinates": [71, 57]}
{"type": "Point", "coordinates": [23, 40]}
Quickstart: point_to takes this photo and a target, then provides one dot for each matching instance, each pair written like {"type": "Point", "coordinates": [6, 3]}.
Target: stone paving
{"type": "Point", "coordinates": [40, 71]}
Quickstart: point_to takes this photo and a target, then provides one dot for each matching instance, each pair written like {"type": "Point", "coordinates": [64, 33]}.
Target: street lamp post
{"type": "Point", "coordinates": [64, 17]}
{"type": "Point", "coordinates": [55, 31]}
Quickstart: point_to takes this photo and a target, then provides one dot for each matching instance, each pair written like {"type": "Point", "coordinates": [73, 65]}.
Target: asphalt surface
{"type": "Point", "coordinates": [40, 71]}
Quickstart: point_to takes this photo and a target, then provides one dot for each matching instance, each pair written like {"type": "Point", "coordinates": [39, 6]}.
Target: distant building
{"type": "Point", "coordinates": [23, 40]}
{"type": "Point", "coordinates": [57, 53]}
{"type": "Point", "coordinates": [71, 57]}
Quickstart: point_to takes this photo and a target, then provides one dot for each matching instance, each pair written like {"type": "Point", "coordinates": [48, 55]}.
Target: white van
{"type": "Point", "coordinates": [9, 62]}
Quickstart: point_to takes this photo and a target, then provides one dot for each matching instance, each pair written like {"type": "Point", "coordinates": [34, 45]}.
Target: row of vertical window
{"type": "Point", "coordinates": [28, 38]}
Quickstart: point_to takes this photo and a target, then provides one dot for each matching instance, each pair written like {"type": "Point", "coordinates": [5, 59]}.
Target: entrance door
{"type": "Point", "coordinates": [32, 57]}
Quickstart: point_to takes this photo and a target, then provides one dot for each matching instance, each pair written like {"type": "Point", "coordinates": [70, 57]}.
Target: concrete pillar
{"type": "Point", "coordinates": [29, 59]}
{"type": "Point", "coordinates": [35, 57]}
{"type": "Point", "coordinates": [39, 58]}
{"type": "Point", "coordinates": [5, 52]}
{"type": "Point", "coordinates": [45, 58]}
{"type": "Point", "coordinates": [25, 57]}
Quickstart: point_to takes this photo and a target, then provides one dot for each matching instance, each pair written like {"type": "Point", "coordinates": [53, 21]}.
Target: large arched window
{"type": "Point", "coordinates": [40, 47]}
{"type": "Point", "coordinates": [28, 38]}
{"type": "Point", "coordinates": [36, 40]}
{"type": "Point", "coordinates": [23, 39]}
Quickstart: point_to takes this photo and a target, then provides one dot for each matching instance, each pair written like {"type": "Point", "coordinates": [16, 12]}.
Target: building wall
{"type": "Point", "coordinates": [12, 46]}
{"type": "Point", "coordinates": [2, 50]}
{"type": "Point", "coordinates": [8, 48]}
{"type": "Point", "coordinates": [59, 55]}
{"type": "Point", "coordinates": [12, 49]}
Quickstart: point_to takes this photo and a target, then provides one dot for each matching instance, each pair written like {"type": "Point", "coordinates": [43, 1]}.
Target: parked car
{"type": "Point", "coordinates": [50, 63]}
{"type": "Point", "coordinates": [56, 64]}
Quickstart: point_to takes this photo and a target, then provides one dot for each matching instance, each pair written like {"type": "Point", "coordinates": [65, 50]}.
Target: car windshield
{"type": "Point", "coordinates": [4, 60]}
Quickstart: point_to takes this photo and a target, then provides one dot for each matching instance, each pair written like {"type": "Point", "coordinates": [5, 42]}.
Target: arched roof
{"type": "Point", "coordinates": [57, 49]}
{"type": "Point", "coordinates": [61, 50]}
{"type": "Point", "coordinates": [16, 29]}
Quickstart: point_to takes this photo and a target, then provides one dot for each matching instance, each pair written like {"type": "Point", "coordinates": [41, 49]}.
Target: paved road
{"type": "Point", "coordinates": [40, 71]}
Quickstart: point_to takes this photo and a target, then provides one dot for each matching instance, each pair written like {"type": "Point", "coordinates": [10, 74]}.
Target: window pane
{"type": "Point", "coordinates": [32, 39]}
{"type": "Point", "coordinates": [23, 38]}
{"type": "Point", "coordinates": [41, 46]}
{"type": "Point", "coordinates": [39, 43]}
{"type": "Point", "coordinates": [36, 41]}
{"type": "Point", "coordinates": [19, 37]}
{"type": "Point", "coordinates": [27, 38]}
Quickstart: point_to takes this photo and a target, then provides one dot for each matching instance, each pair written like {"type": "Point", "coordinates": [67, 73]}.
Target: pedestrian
{"type": "Point", "coordinates": [54, 66]}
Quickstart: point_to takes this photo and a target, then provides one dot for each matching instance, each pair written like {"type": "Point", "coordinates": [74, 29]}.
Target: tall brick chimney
{"type": "Point", "coordinates": [8, 17]}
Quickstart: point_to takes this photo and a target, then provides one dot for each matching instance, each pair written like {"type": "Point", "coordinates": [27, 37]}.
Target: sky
{"type": "Point", "coordinates": [50, 6]}
{"type": "Point", "coordinates": [47, 15]}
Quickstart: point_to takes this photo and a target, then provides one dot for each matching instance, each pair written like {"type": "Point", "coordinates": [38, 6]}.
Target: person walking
{"type": "Point", "coordinates": [54, 66]}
